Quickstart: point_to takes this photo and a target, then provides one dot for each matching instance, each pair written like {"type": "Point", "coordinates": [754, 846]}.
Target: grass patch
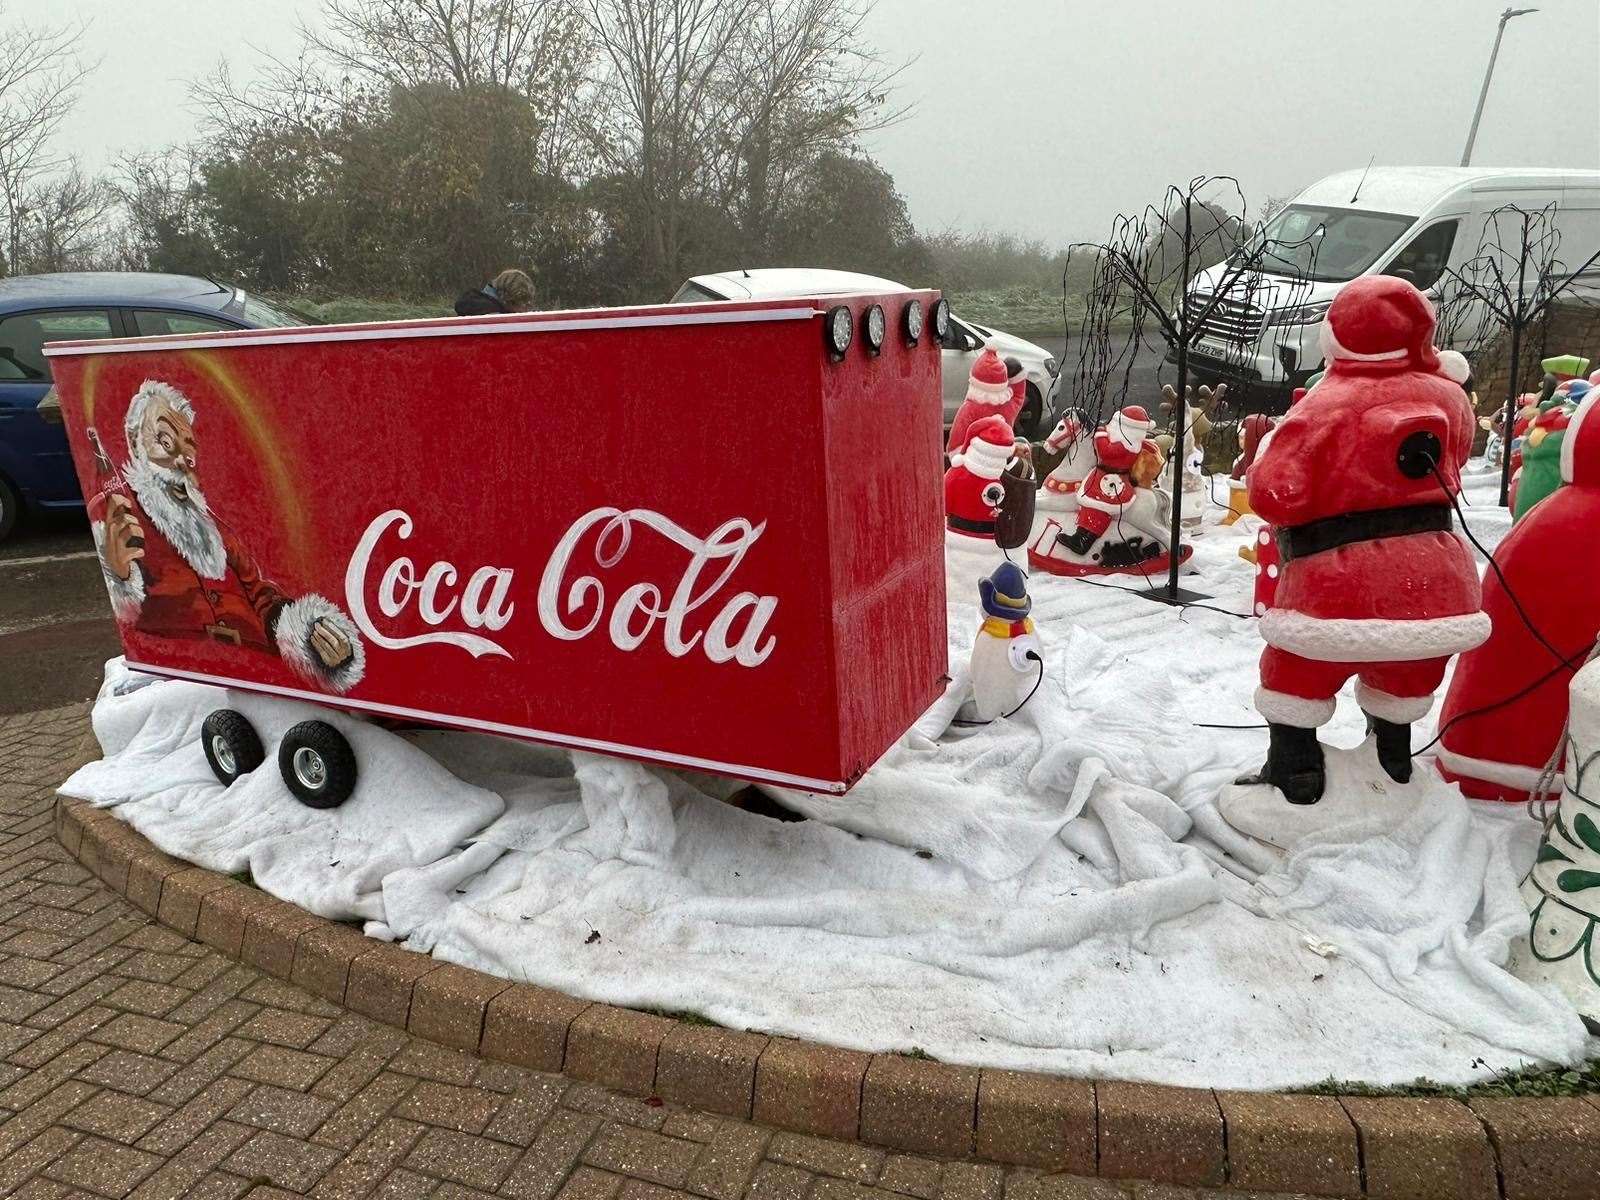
{"type": "Point", "coordinates": [918, 1053]}
{"type": "Point", "coordinates": [1581, 1080]}
{"type": "Point", "coordinates": [684, 1015]}
{"type": "Point", "coordinates": [340, 310]}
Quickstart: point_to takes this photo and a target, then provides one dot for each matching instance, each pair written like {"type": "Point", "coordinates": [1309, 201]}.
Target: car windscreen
{"type": "Point", "coordinates": [266, 315]}
{"type": "Point", "coordinates": [694, 293]}
{"type": "Point", "coordinates": [1330, 245]}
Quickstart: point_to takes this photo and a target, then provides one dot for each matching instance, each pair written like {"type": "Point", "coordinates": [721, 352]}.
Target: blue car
{"type": "Point", "coordinates": [35, 466]}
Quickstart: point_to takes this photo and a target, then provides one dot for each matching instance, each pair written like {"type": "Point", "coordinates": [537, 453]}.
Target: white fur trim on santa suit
{"type": "Point", "coordinates": [1511, 775]}
{"type": "Point", "coordinates": [987, 460]}
{"type": "Point", "coordinates": [1281, 708]}
{"type": "Point", "coordinates": [996, 394]}
{"type": "Point", "coordinates": [1398, 710]}
{"type": "Point", "coordinates": [1331, 349]}
{"type": "Point", "coordinates": [1128, 432]}
{"type": "Point", "coordinates": [1569, 443]}
{"type": "Point", "coordinates": [1372, 639]}
{"type": "Point", "coordinates": [1453, 366]}
{"type": "Point", "coordinates": [127, 595]}
{"type": "Point", "coordinates": [292, 631]}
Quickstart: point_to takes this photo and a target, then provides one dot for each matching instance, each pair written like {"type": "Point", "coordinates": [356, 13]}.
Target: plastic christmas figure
{"type": "Point", "coordinates": [1006, 659]}
{"type": "Point", "coordinates": [1541, 459]}
{"type": "Point", "coordinates": [1196, 435]}
{"type": "Point", "coordinates": [1121, 521]}
{"type": "Point", "coordinates": [1252, 429]}
{"type": "Point", "coordinates": [1374, 582]}
{"type": "Point", "coordinates": [989, 393]}
{"type": "Point", "coordinates": [1498, 754]}
{"type": "Point", "coordinates": [973, 492]}
{"type": "Point", "coordinates": [1073, 440]}
{"type": "Point", "coordinates": [1563, 889]}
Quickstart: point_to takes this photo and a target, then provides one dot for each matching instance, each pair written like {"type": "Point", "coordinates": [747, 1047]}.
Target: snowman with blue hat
{"type": "Point", "coordinates": [1007, 660]}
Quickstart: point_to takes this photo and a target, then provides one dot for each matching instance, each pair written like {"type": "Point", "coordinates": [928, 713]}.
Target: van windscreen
{"type": "Point", "coordinates": [1330, 245]}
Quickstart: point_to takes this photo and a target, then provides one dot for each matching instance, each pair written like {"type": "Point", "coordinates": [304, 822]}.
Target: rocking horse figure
{"type": "Point", "coordinates": [1121, 522]}
{"type": "Point", "coordinates": [1073, 439]}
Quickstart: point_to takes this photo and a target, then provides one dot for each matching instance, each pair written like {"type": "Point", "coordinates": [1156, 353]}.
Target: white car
{"type": "Point", "coordinates": [962, 345]}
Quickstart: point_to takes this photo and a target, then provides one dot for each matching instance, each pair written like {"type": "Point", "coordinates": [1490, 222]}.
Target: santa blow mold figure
{"type": "Point", "coordinates": [989, 394]}
{"type": "Point", "coordinates": [1374, 583]}
{"type": "Point", "coordinates": [1501, 724]}
{"type": "Point", "coordinates": [1121, 525]}
{"type": "Point", "coordinates": [972, 488]}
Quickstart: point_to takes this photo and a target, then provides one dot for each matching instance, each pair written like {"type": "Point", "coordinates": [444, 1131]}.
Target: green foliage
{"type": "Point", "coordinates": [1528, 1081]}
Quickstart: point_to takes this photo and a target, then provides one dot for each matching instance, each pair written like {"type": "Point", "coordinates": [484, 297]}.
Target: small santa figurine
{"type": "Point", "coordinates": [973, 491]}
{"type": "Point", "coordinates": [1006, 660]}
{"type": "Point", "coordinates": [1358, 480]}
{"type": "Point", "coordinates": [989, 393]}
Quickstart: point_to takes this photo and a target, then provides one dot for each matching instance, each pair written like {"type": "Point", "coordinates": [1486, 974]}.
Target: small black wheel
{"type": "Point", "coordinates": [317, 764]}
{"type": "Point", "coordinates": [232, 746]}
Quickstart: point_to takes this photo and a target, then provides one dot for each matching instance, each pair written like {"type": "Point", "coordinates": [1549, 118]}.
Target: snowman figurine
{"type": "Point", "coordinates": [1006, 657]}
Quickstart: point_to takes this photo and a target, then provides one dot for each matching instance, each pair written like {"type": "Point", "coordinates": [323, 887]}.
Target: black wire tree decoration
{"type": "Point", "coordinates": [1509, 286]}
{"type": "Point", "coordinates": [1139, 292]}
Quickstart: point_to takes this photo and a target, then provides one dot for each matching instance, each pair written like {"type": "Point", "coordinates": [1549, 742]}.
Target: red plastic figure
{"type": "Point", "coordinates": [989, 393]}
{"type": "Point", "coordinates": [1374, 582]}
{"type": "Point", "coordinates": [1495, 746]}
{"type": "Point", "coordinates": [972, 487]}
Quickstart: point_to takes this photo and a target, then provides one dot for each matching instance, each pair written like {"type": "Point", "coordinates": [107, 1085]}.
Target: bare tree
{"type": "Point", "coordinates": [539, 49]}
{"type": "Point", "coordinates": [66, 226]}
{"type": "Point", "coordinates": [803, 79]}
{"type": "Point", "coordinates": [40, 73]}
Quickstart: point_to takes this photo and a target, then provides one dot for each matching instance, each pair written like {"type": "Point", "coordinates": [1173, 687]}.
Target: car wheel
{"type": "Point", "coordinates": [317, 764]}
{"type": "Point", "coordinates": [1030, 421]}
{"type": "Point", "coordinates": [232, 746]}
{"type": "Point", "coordinates": [10, 508]}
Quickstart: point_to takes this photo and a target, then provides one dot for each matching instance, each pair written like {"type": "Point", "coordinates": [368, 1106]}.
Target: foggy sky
{"type": "Point", "coordinates": [1048, 117]}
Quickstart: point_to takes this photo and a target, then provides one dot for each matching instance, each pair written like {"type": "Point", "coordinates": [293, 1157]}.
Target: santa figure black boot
{"type": "Point", "coordinates": [1394, 747]}
{"type": "Point", "coordinates": [1294, 764]}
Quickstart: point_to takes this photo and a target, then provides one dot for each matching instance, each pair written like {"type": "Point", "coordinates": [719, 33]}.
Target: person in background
{"type": "Point", "coordinates": [509, 291]}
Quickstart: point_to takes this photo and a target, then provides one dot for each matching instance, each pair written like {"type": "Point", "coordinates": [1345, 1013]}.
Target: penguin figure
{"type": "Point", "coordinates": [1006, 655]}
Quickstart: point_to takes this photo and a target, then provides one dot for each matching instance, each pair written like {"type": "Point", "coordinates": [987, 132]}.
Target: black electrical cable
{"type": "Point", "coordinates": [1038, 658]}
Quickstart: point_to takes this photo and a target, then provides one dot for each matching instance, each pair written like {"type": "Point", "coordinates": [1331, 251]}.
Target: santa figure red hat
{"type": "Point", "coordinates": [989, 393]}
{"type": "Point", "coordinates": [1374, 582]}
{"type": "Point", "coordinates": [1501, 724]}
{"type": "Point", "coordinates": [972, 487]}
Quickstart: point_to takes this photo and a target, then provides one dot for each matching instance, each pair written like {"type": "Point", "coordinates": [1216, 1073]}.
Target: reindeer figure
{"type": "Point", "coordinates": [1195, 435]}
{"type": "Point", "coordinates": [1072, 437]}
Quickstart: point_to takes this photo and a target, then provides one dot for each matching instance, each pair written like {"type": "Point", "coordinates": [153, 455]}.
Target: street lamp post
{"type": "Point", "coordinates": [1483, 94]}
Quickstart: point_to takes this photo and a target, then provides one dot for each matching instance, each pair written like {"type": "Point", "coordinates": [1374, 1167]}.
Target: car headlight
{"type": "Point", "coordinates": [839, 329]}
{"type": "Point", "coordinates": [1303, 314]}
{"type": "Point", "coordinates": [874, 326]}
{"type": "Point", "coordinates": [1051, 365]}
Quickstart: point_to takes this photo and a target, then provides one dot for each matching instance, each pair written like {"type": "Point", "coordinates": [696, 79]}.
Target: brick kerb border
{"type": "Point", "coordinates": [1346, 1146]}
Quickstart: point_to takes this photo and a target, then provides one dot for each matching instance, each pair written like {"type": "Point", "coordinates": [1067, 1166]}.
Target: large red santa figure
{"type": "Point", "coordinates": [1374, 582]}
{"type": "Point", "coordinates": [989, 393]}
{"type": "Point", "coordinates": [1507, 704]}
{"type": "Point", "coordinates": [173, 570]}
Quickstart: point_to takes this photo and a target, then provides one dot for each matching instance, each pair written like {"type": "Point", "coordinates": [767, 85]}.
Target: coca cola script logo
{"type": "Point", "coordinates": [571, 611]}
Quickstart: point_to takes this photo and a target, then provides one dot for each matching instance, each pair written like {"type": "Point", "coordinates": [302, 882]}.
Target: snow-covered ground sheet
{"type": "Point", "coordinates": [1054, 891]}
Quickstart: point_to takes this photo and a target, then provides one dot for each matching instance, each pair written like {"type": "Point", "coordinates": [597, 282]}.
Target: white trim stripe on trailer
{"type": "Point", "coordinates": [538, 735]}
{"type": "Point", "coordinates": [456, 327]}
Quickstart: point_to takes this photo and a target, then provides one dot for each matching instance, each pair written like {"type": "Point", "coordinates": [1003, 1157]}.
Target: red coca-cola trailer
{"type": "Point", "coordinates": [703, 535]}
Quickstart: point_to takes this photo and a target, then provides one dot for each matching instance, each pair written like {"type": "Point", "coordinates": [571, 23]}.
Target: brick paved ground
{"type": "Point", "coordinates": [134, 1062]}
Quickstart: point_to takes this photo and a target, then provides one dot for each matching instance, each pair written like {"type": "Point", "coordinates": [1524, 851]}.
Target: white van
{"type": "Point", "coordinates": [1408, 221]}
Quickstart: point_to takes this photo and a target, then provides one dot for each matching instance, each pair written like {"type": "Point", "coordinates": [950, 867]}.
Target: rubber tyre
{"type": "Point", "coordinates": [10, 508]}
{"type": "Point", "coordinates": [240, 750]}
{"type": "Point", "coordinates": [1030, 420]}
{"type": "Point", "coordinates": [334, 777]}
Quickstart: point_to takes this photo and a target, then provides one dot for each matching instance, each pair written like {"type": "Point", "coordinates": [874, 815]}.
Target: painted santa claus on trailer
{"type": "Point", "coordinates": [173, 570]}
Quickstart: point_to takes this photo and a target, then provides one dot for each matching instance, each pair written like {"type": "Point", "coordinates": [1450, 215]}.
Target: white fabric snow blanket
{"type": "Point", "coordinates": [1054, 891]}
